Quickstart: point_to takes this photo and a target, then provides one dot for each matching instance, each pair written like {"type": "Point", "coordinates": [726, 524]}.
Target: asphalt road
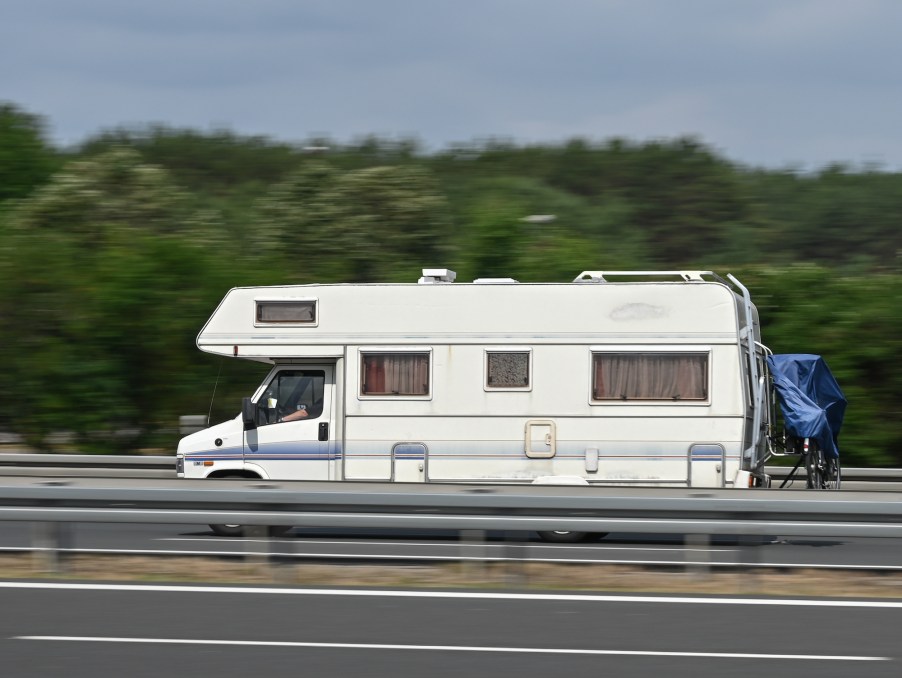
{"type": "Point", "coordinates": [85, 631]}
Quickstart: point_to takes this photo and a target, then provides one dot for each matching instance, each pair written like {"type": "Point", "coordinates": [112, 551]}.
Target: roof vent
{"type": "Point", "coordinates": [494, 281]}
{"type": "Point", "coordinates": [437, 275]}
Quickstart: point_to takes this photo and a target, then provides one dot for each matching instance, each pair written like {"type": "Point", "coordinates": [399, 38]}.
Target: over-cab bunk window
{"type": "Point", "coordinates": [673, 376]}
{"type": "Point", "coordinates": [285, 312]}
{"type": "Point", "coordinates": [400, 373]}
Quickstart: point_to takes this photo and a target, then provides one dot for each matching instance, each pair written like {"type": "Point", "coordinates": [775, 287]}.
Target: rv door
{"type": "Point", "coordinates": [293, 439]}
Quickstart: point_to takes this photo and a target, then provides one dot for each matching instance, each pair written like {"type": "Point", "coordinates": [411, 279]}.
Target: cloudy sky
{"type": "Point", "coordinates": [766, 82]}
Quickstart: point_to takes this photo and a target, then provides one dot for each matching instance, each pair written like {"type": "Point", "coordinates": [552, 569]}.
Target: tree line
{"type": "Point", "coordinates": [114, 253]}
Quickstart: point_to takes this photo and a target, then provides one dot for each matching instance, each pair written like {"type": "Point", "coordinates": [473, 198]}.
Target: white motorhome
{"type": "Point", "coordinates": [618, 378]}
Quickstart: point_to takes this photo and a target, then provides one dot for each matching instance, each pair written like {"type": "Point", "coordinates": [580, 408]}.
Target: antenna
{"type": "Point", "coordinates": [213, 397]}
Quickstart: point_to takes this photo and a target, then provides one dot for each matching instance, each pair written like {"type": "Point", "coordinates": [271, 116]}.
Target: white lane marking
{"type": "Point", "coordinates": [462, 595]}
{"type": "Point", "coordinates": [456, 648]}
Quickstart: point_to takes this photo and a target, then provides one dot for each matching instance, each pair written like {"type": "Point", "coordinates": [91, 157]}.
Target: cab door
{"type": "Point", "coordinates": [293, 438]}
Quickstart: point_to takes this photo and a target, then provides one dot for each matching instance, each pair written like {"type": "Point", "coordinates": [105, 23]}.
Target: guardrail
{"type": "Point", "coordinates": [52, 505]}
{"type": "Point", "coordinates": [121, 466]}
{"type": "Point", "coordinates": [462, 507]}
{"type": "Point", "coordinates": [152, 465]}
{"type": "Point", "coordinates": [884, 475]}
{"type": "Point", "coordinates": [27, 460]}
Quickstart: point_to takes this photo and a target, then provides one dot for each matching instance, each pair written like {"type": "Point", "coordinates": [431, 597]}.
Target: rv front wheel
{"type": "Point", "coordinates": [238, 530]}
{"type": "Point", "coordinates": [227, 530]}
{"type": "Point", "coordinates": [234, 530]}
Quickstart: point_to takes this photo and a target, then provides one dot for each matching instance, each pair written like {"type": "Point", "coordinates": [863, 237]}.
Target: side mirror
{"type": "Point", "coordinates": [248, 414]}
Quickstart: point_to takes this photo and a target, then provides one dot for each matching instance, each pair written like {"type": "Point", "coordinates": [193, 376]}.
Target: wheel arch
{"type": "Point", "coordinates": [249, 473]}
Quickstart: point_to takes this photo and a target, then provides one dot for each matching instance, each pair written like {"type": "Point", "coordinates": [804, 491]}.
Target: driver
{"type": "Point", "coordinates": [302, 412]}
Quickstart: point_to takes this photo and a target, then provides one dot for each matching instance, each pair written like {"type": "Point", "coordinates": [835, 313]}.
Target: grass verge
{"type": "Point", "coordinates": [520, 576]}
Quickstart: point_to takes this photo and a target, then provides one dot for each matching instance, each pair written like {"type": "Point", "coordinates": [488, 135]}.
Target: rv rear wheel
{"type": "Point", "coordinates": [238, 530]}
{"type": "Point", "coordinates": [565, 537]}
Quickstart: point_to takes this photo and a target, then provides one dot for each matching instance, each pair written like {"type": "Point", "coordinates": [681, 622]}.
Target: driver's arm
{"type": "Point", "coordinates": [300, 413]}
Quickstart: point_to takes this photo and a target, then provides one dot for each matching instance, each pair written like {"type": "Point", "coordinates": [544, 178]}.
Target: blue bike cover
{"type": "Point", "coordinates": [813, 404]}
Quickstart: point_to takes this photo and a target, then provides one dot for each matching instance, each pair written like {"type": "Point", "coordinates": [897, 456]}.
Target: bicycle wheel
{"type": "Point", "coordinates": [832, 474]}
{"type": "Point", "coordinates": [814, 466]}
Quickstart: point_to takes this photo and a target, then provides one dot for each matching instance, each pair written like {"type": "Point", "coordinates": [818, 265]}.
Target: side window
{"type": "Point", "coordinates": [507, 370]}
{"type": "Point", "coordinates": [292, 392]}
{"type": "Point", "coordinates": [650, 376]}
{"type": "Point", "coordinates": [291, 312]}
{"type": "Point", "coordinates": [394, 374]}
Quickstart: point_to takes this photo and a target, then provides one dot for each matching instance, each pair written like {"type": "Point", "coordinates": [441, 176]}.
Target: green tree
{"type": "Point", "coordinates": [367, 225]}
{"type": "Point", "coordinates": [107, 279]}
{"type": "Point", "coordinates": [854, 324]}
{"type": "Point", "coordinates": [218, 162]}
{"type": "Point", "coordinates": [26, 158]}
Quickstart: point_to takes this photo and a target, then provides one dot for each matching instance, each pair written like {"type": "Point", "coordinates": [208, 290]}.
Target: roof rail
{"type": "Point", "coordinates": [599, 276]}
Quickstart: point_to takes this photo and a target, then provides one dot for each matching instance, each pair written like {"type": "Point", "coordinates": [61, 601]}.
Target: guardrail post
{"type": "Point", "coordinates": [282, 565]}
{"type": "Point", "coordinates": [515, 574]}
{"type": "Point", "coordinates": [50, 540]}
{"type": "Point", "coordinates": [750, 555]}
{"type": "Point", "coordinates": [253, 536]}
{"type": "Point", "coordinates": [472, 553]}
{"type": "Point", "coordinates": [698, 554]}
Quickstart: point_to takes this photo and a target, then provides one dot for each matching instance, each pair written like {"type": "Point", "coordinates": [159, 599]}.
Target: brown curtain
{"type": "Point", "coordinates": [396, 373]}
{"type": "Point", "coordinates": [650, 376]}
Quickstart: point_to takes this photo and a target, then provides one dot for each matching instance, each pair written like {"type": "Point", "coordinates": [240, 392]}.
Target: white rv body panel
{"type": "Point", "coordinates": [475, 314]}
{"type": "Point", "coordinates": [460, 428]}
{"type": "Point", "coordinates": [492, 449]}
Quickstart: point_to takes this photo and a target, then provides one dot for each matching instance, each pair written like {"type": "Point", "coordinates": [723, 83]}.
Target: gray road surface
{"type": "Point", "coordinates": [54, 630]}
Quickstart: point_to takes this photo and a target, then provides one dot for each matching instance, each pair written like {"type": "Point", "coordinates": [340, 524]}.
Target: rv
{"type": "Point", "coordinates": [617, 378]}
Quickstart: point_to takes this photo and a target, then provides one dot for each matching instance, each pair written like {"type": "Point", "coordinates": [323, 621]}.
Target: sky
{"type": "Point", "coordinates": [773, 83]}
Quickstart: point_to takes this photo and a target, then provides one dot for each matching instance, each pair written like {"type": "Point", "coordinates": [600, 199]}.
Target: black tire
{"type": "Point", "coordinates": [563, 537]}
{"type": "Point", "coordinates": [228, 530]}
{"type": "Point", "coordinates": [238, 530]}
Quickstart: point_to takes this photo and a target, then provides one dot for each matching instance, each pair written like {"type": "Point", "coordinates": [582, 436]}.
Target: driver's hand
{"type": "Point", "coordinates": [299, 414]}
